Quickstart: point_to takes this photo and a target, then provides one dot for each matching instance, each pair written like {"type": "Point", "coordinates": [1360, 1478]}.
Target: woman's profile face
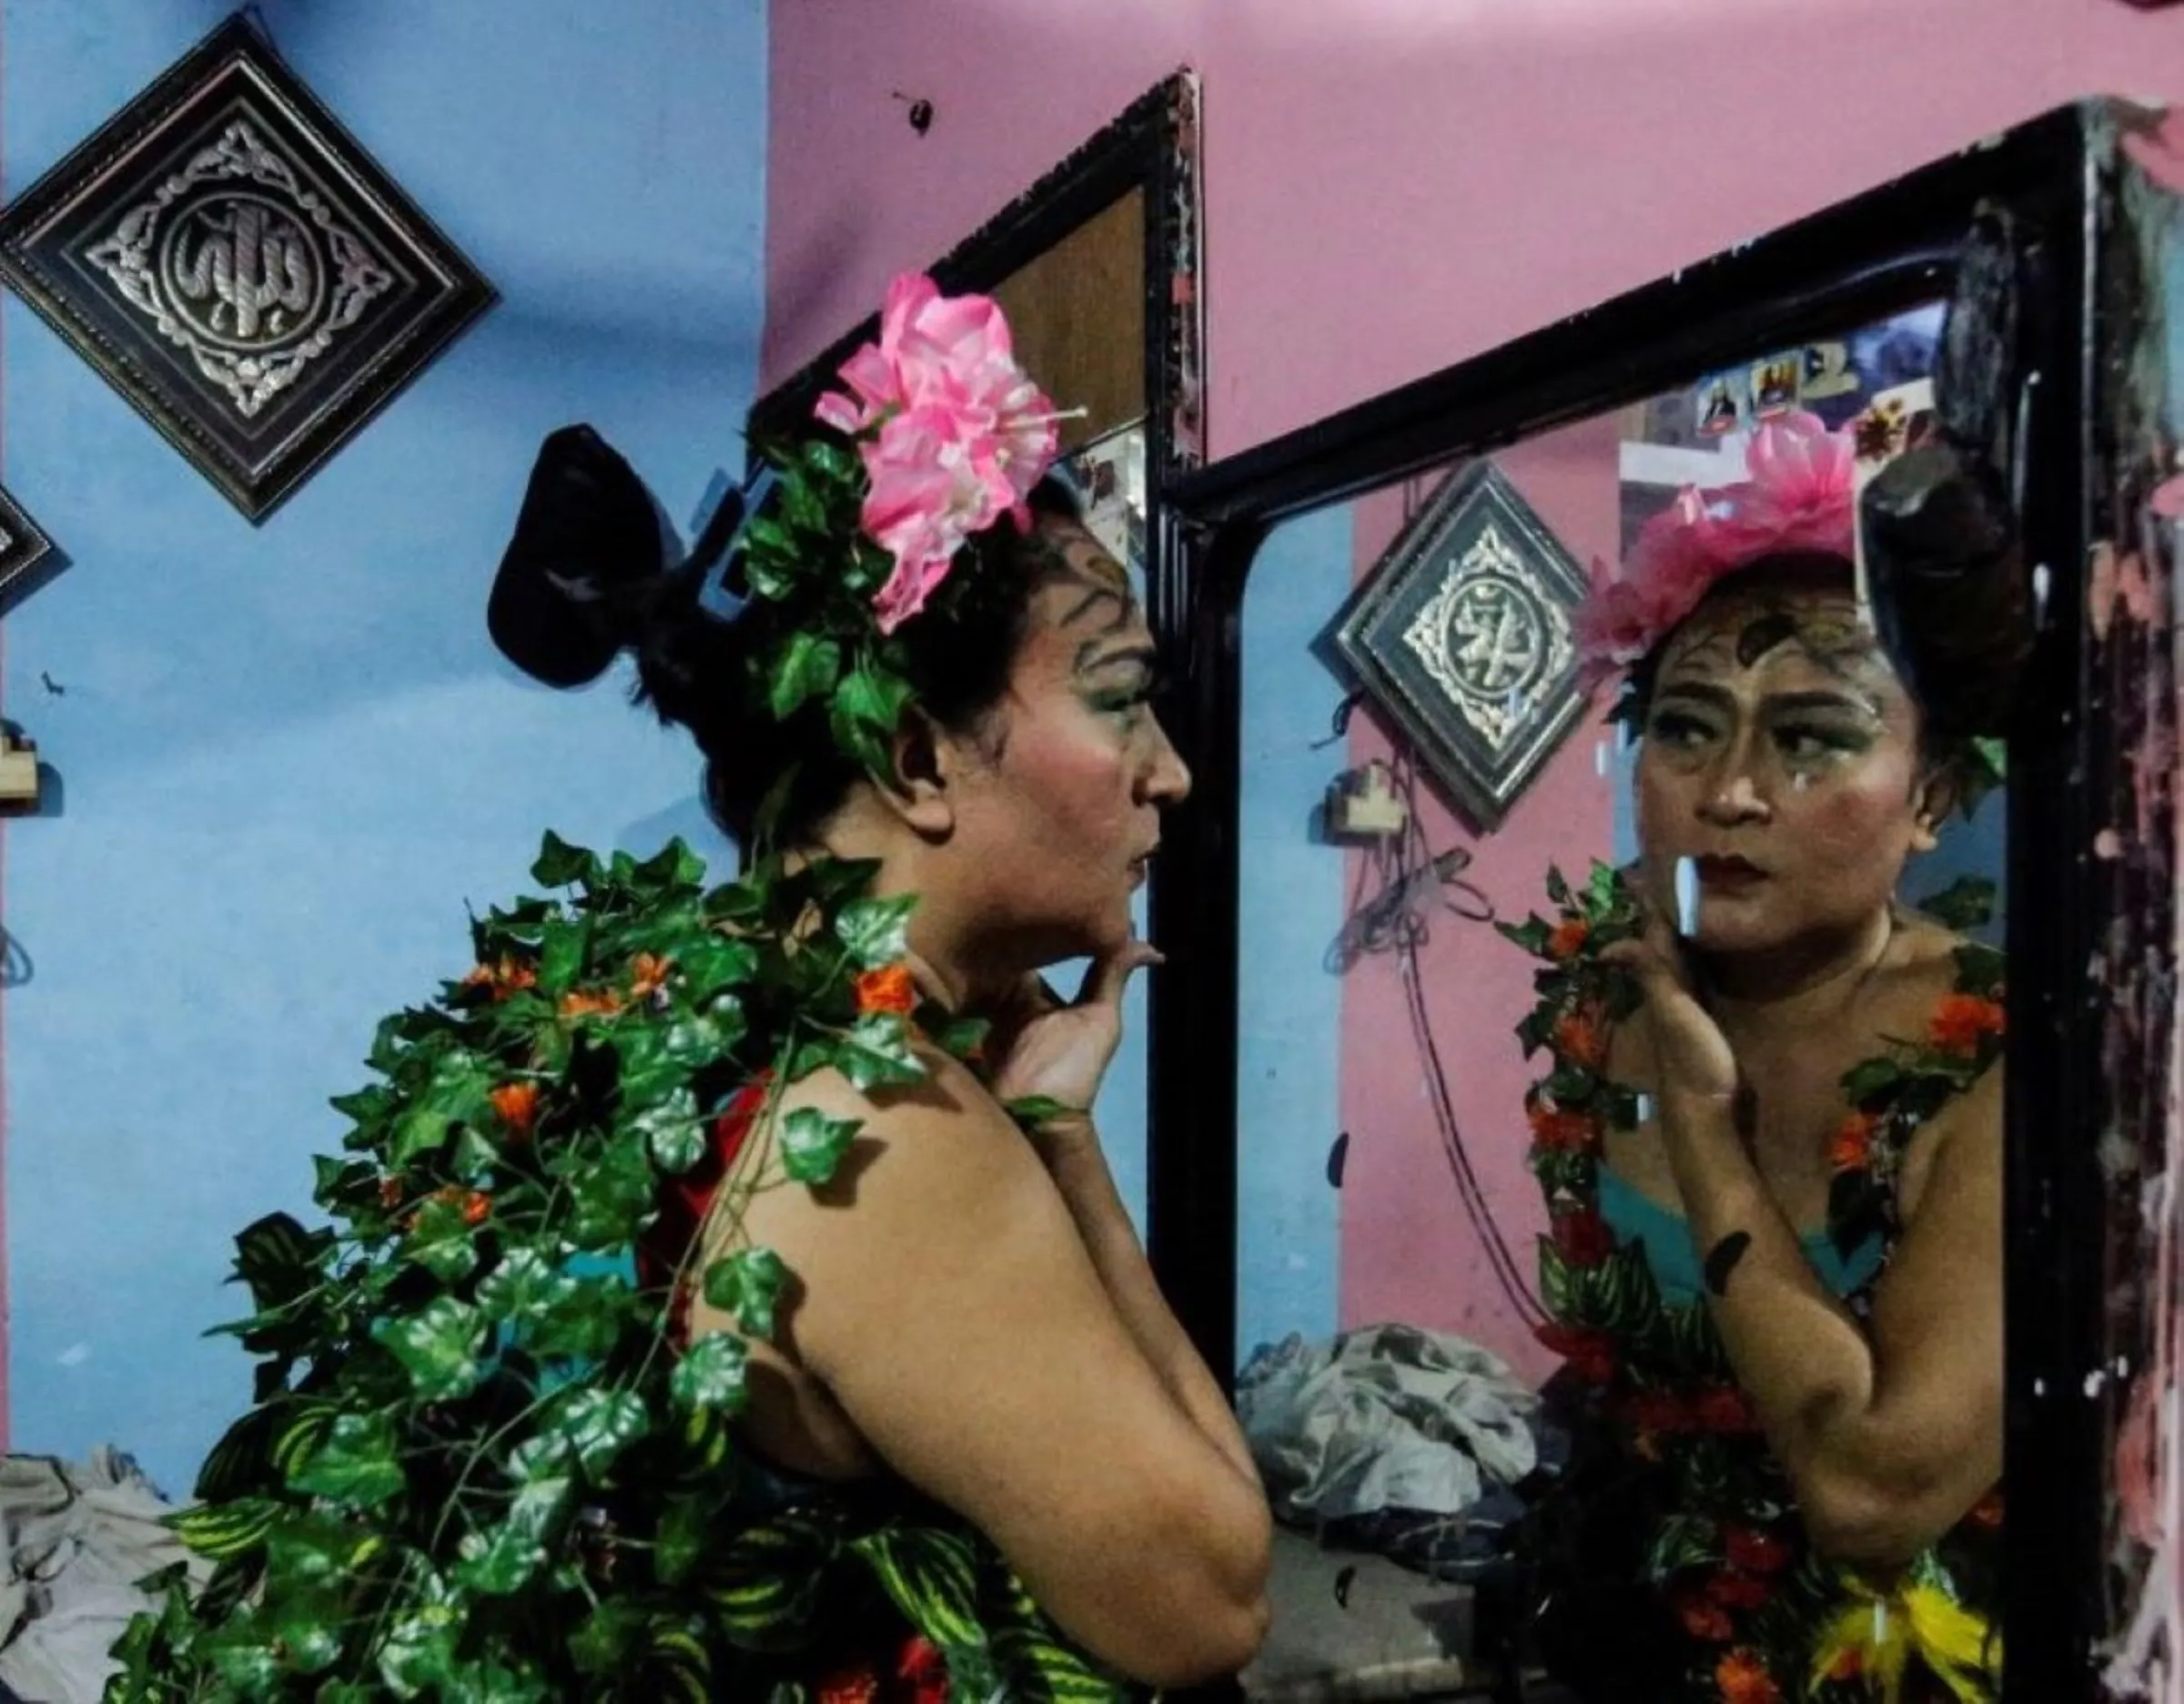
{"type": "Point", "coordinates": [1781, 755]}
{"type": "Point", "coordinates": [1060, 820]}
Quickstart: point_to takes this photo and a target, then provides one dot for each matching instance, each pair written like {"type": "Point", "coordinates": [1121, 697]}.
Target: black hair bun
{"type": "Point", "coordinates": [1949, 586]}
{"type": "Point", "coordinates": [588, 548]}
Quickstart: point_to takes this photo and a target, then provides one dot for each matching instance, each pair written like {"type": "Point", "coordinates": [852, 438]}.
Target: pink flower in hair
{"type": "Point", "coordinates": [1797, 496]}
{"type": "Point", "coordinates": [952, 434]}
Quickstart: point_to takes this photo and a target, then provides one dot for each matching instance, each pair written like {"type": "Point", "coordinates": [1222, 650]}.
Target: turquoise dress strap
{"type": "Point", "coordinates": [1665, 1237]}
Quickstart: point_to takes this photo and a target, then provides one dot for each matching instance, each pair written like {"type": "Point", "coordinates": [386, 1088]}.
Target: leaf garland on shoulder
{"type": "Point", "coordinates": [477, 1467]}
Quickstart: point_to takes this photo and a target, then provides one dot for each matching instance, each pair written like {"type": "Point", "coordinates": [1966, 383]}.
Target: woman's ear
{"type": "Point", "coordinates": [920, 790]}
{"type": "Point", "coordinates": [1937, 796]}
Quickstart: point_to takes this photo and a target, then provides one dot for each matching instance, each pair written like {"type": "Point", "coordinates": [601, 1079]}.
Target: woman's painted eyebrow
{"type": "Point", "coordinates": [1721, 698]}
{"type": "Point", "coordinates": [1088, 661]}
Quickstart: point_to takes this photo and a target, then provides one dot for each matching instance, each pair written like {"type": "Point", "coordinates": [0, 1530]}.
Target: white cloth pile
{"type": "Point", "coordinates": [75, 1539]}
{"type": "Point", "coordinates": [1383, 1417]}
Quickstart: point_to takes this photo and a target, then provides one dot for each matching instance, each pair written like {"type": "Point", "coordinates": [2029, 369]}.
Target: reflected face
{"type": "Point", "coordinates": [1781, 754]}
{"type": "Point", "coordinates": [1063, 815]}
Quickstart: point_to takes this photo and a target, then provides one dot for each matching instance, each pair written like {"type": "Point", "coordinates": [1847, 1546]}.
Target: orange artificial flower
{"type": "Point", "coordinates": [506, 975]}
{"type": "Point", "coordinates": [857, 1685]}
{"type": "Point", "coordinates": [1963, 1022]}
{"type": "Point", "coordinates": [1745, 1680]}
{"type": "Point", "coordinates": [1583, 1238]}
{"type": "Point", "coordinates": [887, 989]}
{"type": "Point", "coordinates": [583, 1004]}
{"type": "Point", "coordinates": [924, 1670]}
{"type": "Point", "coordinates": [390, 1191]}
{"type": "Point", "coordinates": [1703, 1618]}
{"type": "Point", "coordinates": [1848, 1665]}
{"type": "Point", "coordinates": [1754, 1551]}
{"type": "Point", "coordinates": [1568, 940]}
{"type": "Point", "coordinates": [1591, 1354]}
{"type": "Point", "coordinates": [1733, 1590]}
{"type": "Point", "coordinates": [517, 1105]}
{"type": "Point", "coordinates": [1561, 1131]}
{"type": "Point", "coordinates": [476, 1207]}
{"type": "Point", "coordinates": [1724, 1408]}
{"type": "Point", "coordinates": [1987, 1512]}
{"type": "Point", "coordinates": [1578, 1036]}
{"type": "Point", "coordinates": [648, 975]}
{"type": "Point", "coordinates": [1852, 1150]}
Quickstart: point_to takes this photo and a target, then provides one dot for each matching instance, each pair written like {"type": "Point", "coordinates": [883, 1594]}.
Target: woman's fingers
{"type": "Point", "coordinates": [1109, 974]}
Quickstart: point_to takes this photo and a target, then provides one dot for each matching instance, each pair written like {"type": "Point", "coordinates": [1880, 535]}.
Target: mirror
{"type": "Point", "coordinates": [1508, 1437]}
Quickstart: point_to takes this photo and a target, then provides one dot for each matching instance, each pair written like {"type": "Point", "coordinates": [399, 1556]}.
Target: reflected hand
{"type": "Point", "coordinates": [1691, 1056]}
{"type": "Point", "coordinates": [1042, 1048]}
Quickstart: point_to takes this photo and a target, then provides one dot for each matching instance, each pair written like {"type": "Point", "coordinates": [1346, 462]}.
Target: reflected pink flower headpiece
{"type": "Point", "coordinates": [1798, 495]}
{"type": "Point", "coordinates": [952, 434]}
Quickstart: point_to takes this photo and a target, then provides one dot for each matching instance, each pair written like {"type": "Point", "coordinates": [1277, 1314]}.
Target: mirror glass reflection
{"type": "Point", "coordinates": [1619, 1290]}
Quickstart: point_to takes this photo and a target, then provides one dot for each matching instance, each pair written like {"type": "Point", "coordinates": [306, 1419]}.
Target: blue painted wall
{"type": "Point", "coordinates": [1291, 904]}
{"type": "Point", "coordinates": [290, 755]}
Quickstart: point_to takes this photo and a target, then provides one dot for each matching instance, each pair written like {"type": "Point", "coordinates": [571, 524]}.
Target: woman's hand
{"type": "Point", "coordinates": [1043, 1048]}
{"type": "Point", "coordinates": [1692, 1057]}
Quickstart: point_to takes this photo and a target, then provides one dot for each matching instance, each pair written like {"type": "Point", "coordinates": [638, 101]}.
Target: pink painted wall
{"type": "Point", "coordinates": [1392, 185]}
{"type": "Point", "coordinates": [1409, 1250]}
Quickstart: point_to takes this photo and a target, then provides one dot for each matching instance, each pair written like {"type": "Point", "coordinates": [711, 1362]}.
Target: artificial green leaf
{"type": "Point", "coordinates": [1558, 1289]}
{"type": "Point", "coordinates": [582, 1323]}
{"type": "Point", "coordinates": [876, 932]}
{"type": "Point", "coordinates": [747, 1284]}
{"type": "Point", "coordinates": [673, 866]}
{"type": "Point", "coordinates": [875, 1051]}
{"type": "Point", "coordinates": [312, 1549]}
{"type": "Point", "coordinates": [671, 1132]}
{"type": "Point", "coordinates": [866, 707]}
{"type": "Point", "coordinates": [1966, 904]}
{"type": "Point", "coordinates": [506, 1559]}
{"type": "Point", "coordinates": [278, 1259]}
{"type": "Point", "coordinates": [1031, 1111]}
{"type": "Point", "coordinates": [439, 1348]}
{"type": "Point", "coordinates": [245, 1657]}
{"type": "Point", "coordinates": [560, 865]}
{"type": "Point", "coordinates": [679, 1542]}
{"type": "Point", "coordinates": [220, 1531]}
{"type": "Point", "coordinates": [710, 1374]}
{"type": "Point", "coordinates": [605, 1640]}
{"type": "Point", "coordinates": [522, 1283]}
{"type": "Point", "coordinates": [561, 956]}
{"type": "Point", "coordinates": [961, 1037]}
{"type": "Point", "coordinates": [419, 1653]}
{"type": "Point", "coordinates": [357, 1466]}
{"type": "Point", "coordinates": [1531, 935]}
{"type": "Point", "coordinates": [812, 1144]}
{"type": "Point", "coordinates": [808, 667]}
{"type": "Point", "coordinates": [442, 1241]}
{"type": "Point", "coordinates": [694, 1042]}
{"type": "Point", "coordinates": [1871, 1080]}
{"type": "Point", "coordinates": [1682, 1541]}
{"type": "Point", "coordinates": [610, 1196]}
{"type": "Point", "coordinates": [419, 1131]}
{"type": "Point", "coordinates": [598, 1424]}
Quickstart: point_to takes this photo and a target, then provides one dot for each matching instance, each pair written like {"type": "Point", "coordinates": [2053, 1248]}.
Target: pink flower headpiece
{"type": "Point", "coordinates": [1799, 494]}
{"type": "Point", "coordinates": [952, 434]}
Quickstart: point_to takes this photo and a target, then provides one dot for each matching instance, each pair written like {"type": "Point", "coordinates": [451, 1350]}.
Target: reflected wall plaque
{"type": "Point", "coordinates": [23, 547]}
{"type": "Point", "coordinates": [1461, 635]}
{"type": "Point", "coordinates": [239, 268]}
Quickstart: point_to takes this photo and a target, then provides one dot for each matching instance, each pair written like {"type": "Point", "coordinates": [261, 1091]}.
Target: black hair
{"type": "Point", "coordinates": [588, 575]}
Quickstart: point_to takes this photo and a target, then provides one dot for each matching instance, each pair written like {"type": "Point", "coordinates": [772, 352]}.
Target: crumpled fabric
{"type": "Point", "coordinates": [1384, 1417]}
{"type": "Point", "coordinates": [74, 1540]}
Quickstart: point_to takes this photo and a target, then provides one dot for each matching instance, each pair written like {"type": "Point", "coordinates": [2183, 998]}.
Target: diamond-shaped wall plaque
{"type": "Point", "coordinates": [239, 268]}
{"type": "Point", "coordinates": [23, 547]}
{"type": "Point", "coordinates": [1461, 635]}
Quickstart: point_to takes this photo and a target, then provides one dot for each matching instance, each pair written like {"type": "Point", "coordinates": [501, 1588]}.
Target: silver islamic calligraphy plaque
{"type": "Point", "coordinates": [239, 268]}
{"type": "Point", "coordinates": [1461, 637]}
{"type": "Point", "coordinates": [24, 549]}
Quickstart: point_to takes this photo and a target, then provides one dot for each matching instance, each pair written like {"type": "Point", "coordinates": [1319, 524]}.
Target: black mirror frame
{"type": "Point", "coordinates": [2070, 768]}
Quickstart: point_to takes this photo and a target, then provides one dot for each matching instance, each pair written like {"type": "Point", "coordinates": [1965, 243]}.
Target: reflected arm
{"type": "Point", "coordinates": [1893, 1430]}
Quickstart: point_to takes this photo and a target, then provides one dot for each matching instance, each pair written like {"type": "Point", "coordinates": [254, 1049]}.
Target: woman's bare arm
{"type": "Point", "coordinates": [948, 1300]}
{"type": "Point", "coordinates": [1890, 1432]}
